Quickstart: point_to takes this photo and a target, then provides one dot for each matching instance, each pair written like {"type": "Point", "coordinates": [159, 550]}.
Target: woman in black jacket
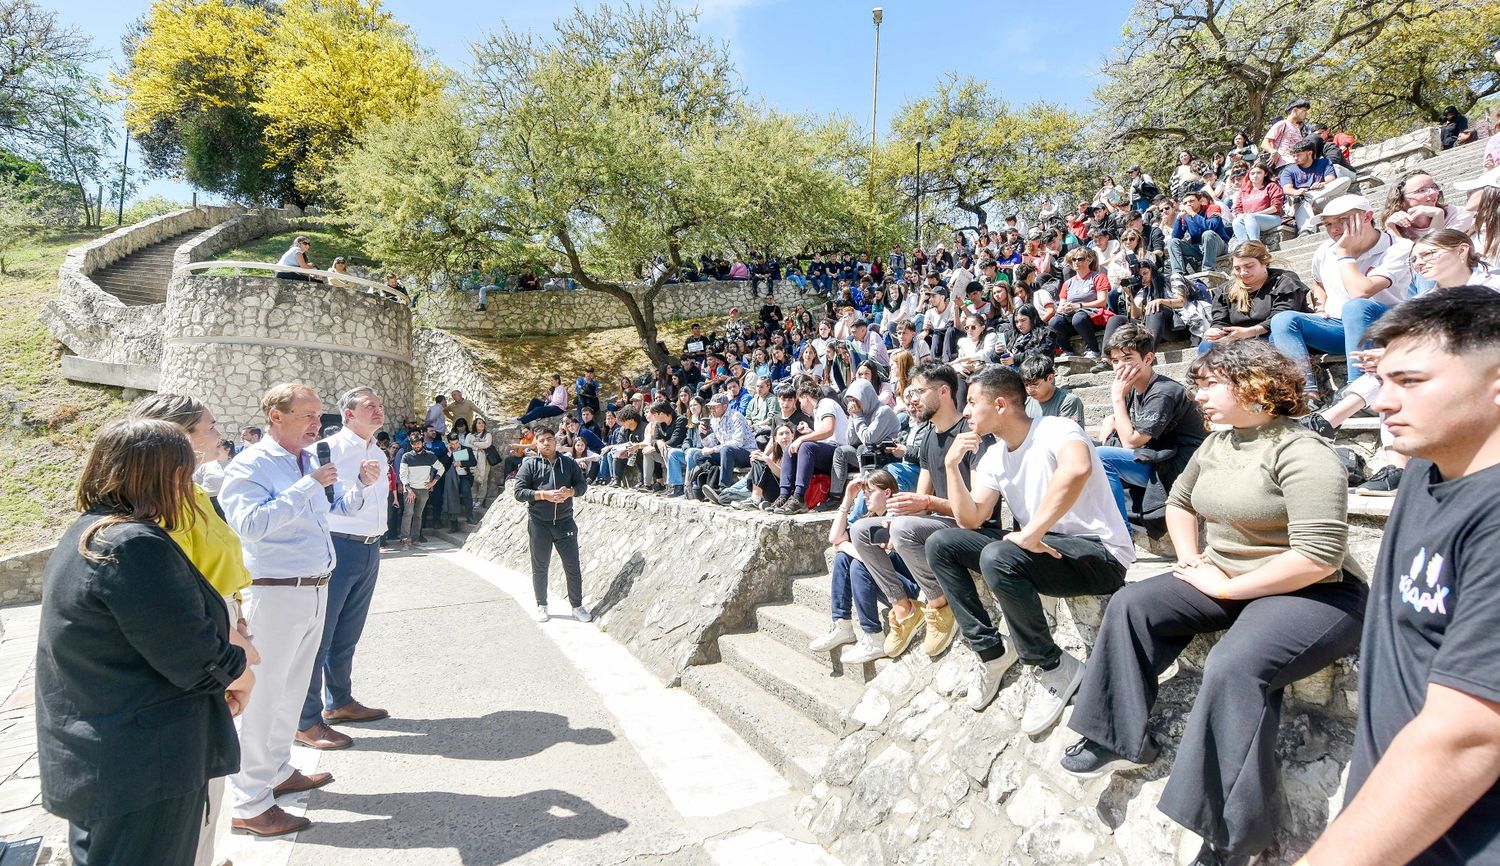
{"type": "Point", "coordinates": [1243, 309]}
{"type": "Point", "coordinates": [137, 670]}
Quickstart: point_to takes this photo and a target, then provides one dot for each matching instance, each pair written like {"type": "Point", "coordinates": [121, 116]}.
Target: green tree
{"type": "Point", "coordinates": [622, 138]}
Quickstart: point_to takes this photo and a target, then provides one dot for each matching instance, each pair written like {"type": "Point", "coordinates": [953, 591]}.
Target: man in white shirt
{"type": "Point", "coordinates": [813, 449]}
{"type": "Point", "coordinates": [1358, 274]}
{"type": "Point", "coordinates": [351, 586]}
{"type": "Point", "coordinates": [937, 324]}
{"type": "Point", "coordinates": [1072, 541]}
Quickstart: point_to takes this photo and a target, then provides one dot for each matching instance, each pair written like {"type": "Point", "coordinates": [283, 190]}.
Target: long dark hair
{"type": "Point", "coordinates": [140, 469]}
{"type": "Point", "coordinates": [1487, 223]}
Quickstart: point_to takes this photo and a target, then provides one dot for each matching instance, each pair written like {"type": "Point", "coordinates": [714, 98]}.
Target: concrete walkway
{"type": "Point", "coordinates": [508, 742]}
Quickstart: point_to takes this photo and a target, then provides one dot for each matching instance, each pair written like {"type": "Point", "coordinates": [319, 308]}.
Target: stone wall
{"type": "Point", "coordinates": [227, 339]}
{"type": "Point", "coordinates": [93, 323]}
{"type": "Point", "coordinates": [1390, 158]}
{"type": "Point", "coordinates": [441, 363]}
{"type": "Point", "coordinates": [231, 233]}
{"type": "Point", "coordinates": [21, 575]}
{"type": "Point", "coordinates": [667, 577]}
{"type": "Point", "coordinates": [555, 311]}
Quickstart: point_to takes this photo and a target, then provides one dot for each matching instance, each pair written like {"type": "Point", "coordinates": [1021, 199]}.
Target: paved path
{"type": "Point", "coordinates": [509, 742]}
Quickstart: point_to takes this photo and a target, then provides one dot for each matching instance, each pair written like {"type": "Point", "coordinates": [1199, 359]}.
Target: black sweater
{"type": "Point", "coordinates": [537, 474]}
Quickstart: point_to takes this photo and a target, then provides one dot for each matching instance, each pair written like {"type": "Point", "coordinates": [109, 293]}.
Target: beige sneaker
{"type": "Point", "coordinates": [940, 629]}
{"type": "Point", "coordinates": [902, 632]}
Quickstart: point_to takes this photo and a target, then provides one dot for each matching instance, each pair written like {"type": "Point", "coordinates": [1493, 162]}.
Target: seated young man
{"type": "Point", "coordinates": [1309, 182]}
{"type": "Point", "coordinates": [1358, 274]}
{"type": "Point", "coordinates": [728, 443]}
{"type": "Point", "coordinates": [1153, 432]}
{"type": "Point", "coordinates": [1044, 399]}
{"type": "Point", "coordinates": [625, 442]}
{"type": "Point", "coordinates": [671, 431]}
{"type": "Point", "coordinates": [813, 449]}
{"type": "Point", "coordinates": [1072, 540]}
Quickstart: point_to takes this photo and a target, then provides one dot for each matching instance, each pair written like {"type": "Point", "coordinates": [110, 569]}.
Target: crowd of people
{"type": "Point", "coordinates": [192, 632]}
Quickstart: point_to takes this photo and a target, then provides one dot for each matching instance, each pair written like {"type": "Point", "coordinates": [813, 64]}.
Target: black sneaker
{"type": "Point", "coordinates": [1208, 855]}
{"type": "Point", "coordinates": [832, 503]}
{"type": "Point", "coordinates": [710, 494]}
{"type": "Point", "coordinates": [1315, 422]}
{"type": "Point", "coordinates": [793, 505]}
{"type": "Point", "coordinates": [1087, 759]}
{"type": "Point", "coordinates": [1382, 483]}
{"type": "Point", "coordinates": [776, 505]}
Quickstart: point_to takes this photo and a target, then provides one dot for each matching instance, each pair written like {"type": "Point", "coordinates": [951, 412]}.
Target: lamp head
{"type": "Point", "coordinates": [877, 13]}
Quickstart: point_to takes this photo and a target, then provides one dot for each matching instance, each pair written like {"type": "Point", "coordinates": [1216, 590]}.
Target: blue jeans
{"type": "Point", "coordinates": [854, 590]}
{"type": "Point", "coordinates": [1297, 333]}
{"type": "Point", "coordinates": [1121, 468]}
{"type": "Point", "coordinates": [1208, 249]}
{"type": "Point", "coordinates": [350, 589]}
{"type": "Point", "coordinates": [539, 409]}
{"type": "Point", "coordinates": [1247, 227]}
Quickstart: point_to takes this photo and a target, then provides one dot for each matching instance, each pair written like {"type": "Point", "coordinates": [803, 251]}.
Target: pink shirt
{"type": "Point", "coordinates": [1283, 135]}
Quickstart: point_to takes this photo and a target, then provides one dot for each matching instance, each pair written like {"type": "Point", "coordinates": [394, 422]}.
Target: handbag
{"type": "Point", "coordinates": [492, 456]}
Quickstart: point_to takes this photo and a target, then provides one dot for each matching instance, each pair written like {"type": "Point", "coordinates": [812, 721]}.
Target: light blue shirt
{"type": "Point", "coordinates": [280, 514]}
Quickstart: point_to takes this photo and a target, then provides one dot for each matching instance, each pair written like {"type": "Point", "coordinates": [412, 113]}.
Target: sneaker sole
{"type": "Point", "coordinates": [1062, 704]}
{"type": "Point", "coordinates": [814, 647]}
{"type": "Point", "coordinates": [850, 659]}
{"type": "Point", "coordinates": [1377, 493]}
{"type": "Point", "coordinates": [1118, 765]}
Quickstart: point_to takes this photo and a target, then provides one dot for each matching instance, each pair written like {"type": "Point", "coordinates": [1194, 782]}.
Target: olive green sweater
{"type": "Point", "coordinates": [1265, 490]}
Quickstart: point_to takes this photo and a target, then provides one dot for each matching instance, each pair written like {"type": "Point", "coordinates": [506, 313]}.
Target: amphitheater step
{"type": "Point", "coordinates": [795, 679]}
{"type": "Point", "coordinates": [791, 742]}
{"type": "Point", "coordinates": [141, 278]}
{"type": "Point", "coordinates": [796, 625]}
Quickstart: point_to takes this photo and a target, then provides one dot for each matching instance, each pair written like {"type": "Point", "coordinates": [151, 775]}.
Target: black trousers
{"type": "Point", "coordinates": [164, 833]}
{"type": "Point", "coordinates": [1224, 780]}
{"type": "Point", "coordinates": [563, 536]}
{"type": "Point", "coordinates": [1019, 579]}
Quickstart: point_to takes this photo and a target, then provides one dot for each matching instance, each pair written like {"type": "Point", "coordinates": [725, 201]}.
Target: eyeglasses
{"type": "Point", "coordinates": [1431, 187]}
{"type": "Point", "coordinates": [1428, 254]}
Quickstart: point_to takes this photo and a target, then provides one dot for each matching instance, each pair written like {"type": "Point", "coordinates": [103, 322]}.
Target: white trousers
{"type": "Point", "coordinates": [286, 623]}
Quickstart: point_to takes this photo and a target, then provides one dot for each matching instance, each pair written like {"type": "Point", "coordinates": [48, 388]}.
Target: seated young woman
{"type": "Point", "coordinates": [1275, 574]}
{"type": "Point", "coordinates": [1242, 310]}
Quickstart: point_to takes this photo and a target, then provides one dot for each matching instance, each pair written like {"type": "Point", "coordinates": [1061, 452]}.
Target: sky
{"type": "Point", "coordinates": [805, 56]}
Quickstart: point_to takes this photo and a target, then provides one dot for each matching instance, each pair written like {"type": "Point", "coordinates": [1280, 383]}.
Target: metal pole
{"type": "Point", "coordinates": [124, 161]}
{"type": "Point", "coordinates": [917, 224]}
{"type": "Point", "coordinates": [878, 14]}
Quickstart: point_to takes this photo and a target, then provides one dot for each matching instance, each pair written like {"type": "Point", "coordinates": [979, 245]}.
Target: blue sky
{"type": "Point", "coordinates": [796, 55]}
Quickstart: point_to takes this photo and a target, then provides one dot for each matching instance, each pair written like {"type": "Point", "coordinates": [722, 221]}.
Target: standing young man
{"type": "Point", "coordinates": [1072, 541]}
{"type": "Point", "coordinates": [1424, 780]}
{"type": "Point", "coordinates": [547, 482]}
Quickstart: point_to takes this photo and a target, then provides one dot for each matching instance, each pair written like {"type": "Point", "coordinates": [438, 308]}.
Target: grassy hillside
{"type": "Point", "coordinates": [46, 422]}
{"type": "Point", "coordinates": [327, 242]}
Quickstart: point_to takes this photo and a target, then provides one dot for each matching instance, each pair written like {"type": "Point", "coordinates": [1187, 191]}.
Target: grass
{"type": "Point", "coordinates": [46, 422]}
{"type": "Point", "coordinates": [519, 369]}
{"type": "Point", "coordinates": [327, 241]}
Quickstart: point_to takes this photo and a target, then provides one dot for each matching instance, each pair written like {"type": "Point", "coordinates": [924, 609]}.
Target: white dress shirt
{"type": "Point", "coordinates": [347, 451]}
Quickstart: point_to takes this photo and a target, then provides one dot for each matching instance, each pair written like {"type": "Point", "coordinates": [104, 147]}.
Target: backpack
{"type": "Point", "coordinates": [817, 490]}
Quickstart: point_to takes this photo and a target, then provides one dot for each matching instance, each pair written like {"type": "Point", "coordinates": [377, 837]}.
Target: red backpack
{"type": "Point", "coordinates": [817, 490]}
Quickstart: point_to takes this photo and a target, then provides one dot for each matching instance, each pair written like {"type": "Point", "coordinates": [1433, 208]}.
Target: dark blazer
{"type": "Point", "coordinates": [132, 661]}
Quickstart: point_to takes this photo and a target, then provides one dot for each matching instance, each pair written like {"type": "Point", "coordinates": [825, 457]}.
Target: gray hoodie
{"type": "Point", "coordinates": [875, 422]}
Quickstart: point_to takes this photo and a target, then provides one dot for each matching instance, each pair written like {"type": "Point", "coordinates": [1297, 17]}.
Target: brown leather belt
{"type": "Point", "coordinates": [357, 539]}
{"type": "Point", "coordinates": [315, 580]}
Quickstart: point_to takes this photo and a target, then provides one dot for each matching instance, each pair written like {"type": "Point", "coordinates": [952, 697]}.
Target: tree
{"type": "Point", "coordinates": [1191, 73]}
{"type": "Point", "coordinates": [257, 99]}
{"type": "Point", "coordinates": [622, 138]}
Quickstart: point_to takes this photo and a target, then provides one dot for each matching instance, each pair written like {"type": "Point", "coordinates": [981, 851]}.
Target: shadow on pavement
{"type": "Point", "coordinates": [503, 735]}
{"type": "Point", "coordinates": [484, 830]}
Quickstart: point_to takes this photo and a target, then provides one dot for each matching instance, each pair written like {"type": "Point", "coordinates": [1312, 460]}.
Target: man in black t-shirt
{"type": "Point", "coordinates": [696, 345]}
{"type": "Point", "coordinates": [771, 316]}
{"type": "Point", "coordinates": [1153, 431]}
{"type": "Point", "coordinates": [1424, 779]}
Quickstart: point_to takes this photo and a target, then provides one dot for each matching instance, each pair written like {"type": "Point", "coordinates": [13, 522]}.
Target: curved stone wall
{"type": "Point", "coordinates": [227, 339]}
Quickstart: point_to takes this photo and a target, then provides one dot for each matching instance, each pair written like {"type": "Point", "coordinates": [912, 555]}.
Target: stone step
{"type": "Point", "coordinates": [795, 626]}
{"type": "Point", "coordinates": [792, 677]}
{"type": "Point", "coordinates": [788, 740]}
{"type": "Point", "coordinates": [813, 592]}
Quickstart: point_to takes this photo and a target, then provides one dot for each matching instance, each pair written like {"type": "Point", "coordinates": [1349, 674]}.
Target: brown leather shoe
{"type": "Point", "coordinates": [320, 736]}
{"type": "Point", "coordinates": [296, 783]}
{"type": "Point", "coordinates": [272, 822]}
{"type": "Point", "coordinates": [353, 712]}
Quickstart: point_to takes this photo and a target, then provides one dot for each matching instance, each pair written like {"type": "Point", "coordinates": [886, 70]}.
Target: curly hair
{"type": "Point", "coordinates": [1258, 372]}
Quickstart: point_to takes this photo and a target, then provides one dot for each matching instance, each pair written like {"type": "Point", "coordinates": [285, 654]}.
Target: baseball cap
{"type": "Point", "coordinates": [1489, 178]}
{"type": "Point", "coordinates": [937, 290]}
{"type": "Point", "coordinates": [1298, 103]}
{"type": "Point", "coordinates": [734, 309]}
{"type": "Point", "coordinates": [720, 399]}
{"type": "Point", "coordinates": [1346, 204]}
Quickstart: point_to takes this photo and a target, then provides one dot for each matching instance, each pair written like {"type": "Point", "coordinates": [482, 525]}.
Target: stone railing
{"type": "Point", "coordinates": [21, 575]}
{"type": "Point", "coordinates": [231, 233]}
{"type": "Point", "coordinates": [1388, 159]}
{"type": "Point", "coordinates": [556, 311]}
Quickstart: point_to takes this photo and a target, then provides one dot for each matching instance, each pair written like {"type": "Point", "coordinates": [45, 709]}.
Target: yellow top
{"type": "Point", "coordinates": [213, 547]}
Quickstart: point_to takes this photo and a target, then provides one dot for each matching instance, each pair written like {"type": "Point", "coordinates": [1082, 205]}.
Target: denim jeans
{"type": "Point", "coordinates": [855, 591]}
{"type": "Point", "coordinates": [351, 587]}
{"type": "Point", "coordinates": [1121, 468]}
{"type": "Point", "coordinates": [1247, 227]}
{"type": "Point", "coordinates": [1207, 250]}
{"type": "Point", "coordinates": [1295, 334]}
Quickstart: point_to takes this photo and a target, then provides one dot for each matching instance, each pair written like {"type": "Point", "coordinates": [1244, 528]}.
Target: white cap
{"type": "Point", "coordinates": [1346, 204]}
{"type": "Point", "coordinates": [1489, 178]}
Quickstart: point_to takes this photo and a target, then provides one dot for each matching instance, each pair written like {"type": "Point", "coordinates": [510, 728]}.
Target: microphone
{"type": "Point", "coordinates": [324, 458]}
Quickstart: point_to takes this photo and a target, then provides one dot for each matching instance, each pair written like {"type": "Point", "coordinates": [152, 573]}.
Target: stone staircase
{"type": "Point", "coordinates": [141, 278]}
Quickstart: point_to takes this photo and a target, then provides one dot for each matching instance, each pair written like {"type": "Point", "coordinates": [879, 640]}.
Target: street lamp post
{"type": "Point", "coordinates": [917, 224]}
{"type": "Point", "coordinates": [878, 14]}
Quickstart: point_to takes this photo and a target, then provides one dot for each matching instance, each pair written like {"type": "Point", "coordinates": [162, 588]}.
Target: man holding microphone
{"type": "Point", "coordinates": [356, 545]}
{"type": "Point", "coordinates": [277, 498]}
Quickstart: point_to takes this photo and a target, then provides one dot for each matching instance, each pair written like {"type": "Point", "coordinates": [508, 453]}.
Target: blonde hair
{"type": "Point", "coordinates": [1238, 293]}
{"type": "Point", "coordinates": [281, 397]}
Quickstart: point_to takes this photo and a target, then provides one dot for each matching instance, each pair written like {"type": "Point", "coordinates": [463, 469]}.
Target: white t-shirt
{"type": "Point", "coordinates": [826, 407]}
{"type": "Point", "coordinates": [1389, 258]}
{"type": "Point", "coordinates": [936, 321]}
{"type": "Point", "coordinates": [1023, 475]}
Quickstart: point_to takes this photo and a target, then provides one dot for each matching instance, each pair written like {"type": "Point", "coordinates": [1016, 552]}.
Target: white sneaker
{"type": "Point", "coordinates": [541, 614]}
{"type": "Point", "coordinates": [841, 633]}
{"type": "Point", "coordinates": [984, 684]}
{"type": "Point", "coordinates": [582, 614]}
{"type": "Point", "coordinates": [867, 648]}
{"type": "Point", "coordinates": [1051, 691]}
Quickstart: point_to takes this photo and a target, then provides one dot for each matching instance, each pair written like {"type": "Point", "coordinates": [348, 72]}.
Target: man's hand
{"type": "Point", "coordinates": [904, 504]}
{"type": "Point", "coordinates": [1120, 387]}
{"type": "Point", "coordinates": [411, 496]}
{"type": "Point", "coordinates": [1368, 359]}
{"type": "Point", "coordinates": [1031, 544]}
{"type": "Point", "coordinates": [964, 444]}
{"type": "Point", "coordinates": [369, 470]}
{"type": "Point", "coordinates": [326, 474]}
{"type": "Point", "coordinates": [796, 444]}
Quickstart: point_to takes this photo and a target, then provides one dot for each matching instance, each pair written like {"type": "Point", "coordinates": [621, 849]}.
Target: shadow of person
{"type": "Point", "coordinates": [620, 585]}
{"type": "Point", "coordinates": [484, 830]}
{"type": "Point", "coordinates": [503, 735]}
